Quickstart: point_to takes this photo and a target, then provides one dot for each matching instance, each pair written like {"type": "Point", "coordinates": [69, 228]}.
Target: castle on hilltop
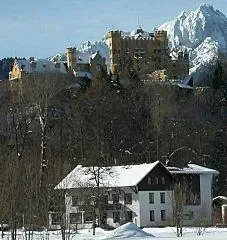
{"type": "Point", "coordinates": [139, 52]}
{"type": "Point", "coordinates": [147, 53]}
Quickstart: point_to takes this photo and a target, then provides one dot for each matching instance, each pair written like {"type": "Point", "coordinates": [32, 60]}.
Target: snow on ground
{"type": "Point", "coordinates": [128, 231]}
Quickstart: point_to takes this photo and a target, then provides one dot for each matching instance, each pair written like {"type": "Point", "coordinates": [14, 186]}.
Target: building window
{"type": "Point", "coordinates": [162, 198]}
{"type": "Point", "coordinates": [163, 180]}
{"type": "Point", "coordinates": [152, 218]}
{"type": "Point", "coordinates": [75, 218]}
{"type": "Point", "coordinates": [149, 180]}
{"type": "Point", "coordinates": [163, 215]}
{"type": "Point", "coordinates": [156, 180]}
{"type": "Point", "coordinates": [128, 216]}
{"type": "Point", "coordinates": [188, 215]}
{"type": "Point", "coordinates": [104, 199]}
{"type": "Point", "coordinates": [115, 198]}
{"type": "Point", "coordinates": [128, 198]}
{"type": "Point", "coordinates": [116, 217]}
{"type": "Point", "coordinates": [151, 198]}
{"type": "Point", "coordinates": [88, 217]}
{"type": "Point", "coordinates": [75, 200]}
{"type": "Point", "coordinates": [55, 218]}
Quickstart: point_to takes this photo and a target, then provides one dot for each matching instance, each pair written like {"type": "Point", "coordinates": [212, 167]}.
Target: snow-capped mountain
{"type": "Point", "coordinates": [86, 50]}
{"type": "Point", "coordinates": [203, 33]}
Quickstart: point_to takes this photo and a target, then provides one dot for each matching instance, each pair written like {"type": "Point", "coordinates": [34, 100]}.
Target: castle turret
{"type": "Point", "coordinates": [115, 50]}
{"type": "Point", "coordinates": [71, 58]}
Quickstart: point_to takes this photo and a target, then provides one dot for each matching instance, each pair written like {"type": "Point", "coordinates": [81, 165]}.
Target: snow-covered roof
{"type": "Point", "coordinates": [222, 198]}
{"type": "Point", "coordinates": [139, 32]}
{"type": "Point", "coordinates": [184, 86]}
{"type": "Point", "coordinates": [82, 74]}
{"type": "Point", "coordinates": [94, 55]}
{"type": "Point", "coordinates": [193, 168]}
{"type": "Point", "coordinates": [116, 176]}
{"type": "Point", "coordinates": [41, 66]}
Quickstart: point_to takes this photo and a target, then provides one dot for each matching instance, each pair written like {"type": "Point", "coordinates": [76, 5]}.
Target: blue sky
{"type": "Point", "coordinates": [42, 28]}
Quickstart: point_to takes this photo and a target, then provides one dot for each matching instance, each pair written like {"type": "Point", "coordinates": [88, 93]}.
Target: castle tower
{"type": "Point", "coordinates": [115, 51]}
{"type": "Point", "coordinates": [162, 37]}
{"type": "Point", "coordinates": [71, 58]}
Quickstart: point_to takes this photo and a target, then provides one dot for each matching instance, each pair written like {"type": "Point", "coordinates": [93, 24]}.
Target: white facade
{"type": "Point", "coordinates": [139, 199]}
{"type": "Point", "coordinates": [157, 206]}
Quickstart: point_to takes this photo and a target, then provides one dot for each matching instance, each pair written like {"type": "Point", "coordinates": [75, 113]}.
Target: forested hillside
{"type": "Point", "coordinates": [52, 126]}
{"type": "Point", "coordinates": [5, 67]}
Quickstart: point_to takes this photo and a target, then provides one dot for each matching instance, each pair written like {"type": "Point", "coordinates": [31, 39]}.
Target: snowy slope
{"type": "Point", "coordinates": [202, 32]}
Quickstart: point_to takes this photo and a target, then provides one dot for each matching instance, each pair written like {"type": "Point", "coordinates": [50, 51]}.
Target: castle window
{"type": "Point", "coordinates": [57, 64]}
{"type": "Point", "coordinates": [33, 64]}
{"type": "Point", "coordinates": [44, 65]}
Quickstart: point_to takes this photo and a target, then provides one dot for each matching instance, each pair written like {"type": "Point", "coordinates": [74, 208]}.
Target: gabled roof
{"type": "Point", "coordinates": [116, 176]}
{"type": "Point", "coordinates": [193, 168]}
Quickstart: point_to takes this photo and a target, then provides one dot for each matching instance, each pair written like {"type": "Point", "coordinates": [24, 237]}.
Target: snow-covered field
{"type": "Point", "coordinates": [129, 231]}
